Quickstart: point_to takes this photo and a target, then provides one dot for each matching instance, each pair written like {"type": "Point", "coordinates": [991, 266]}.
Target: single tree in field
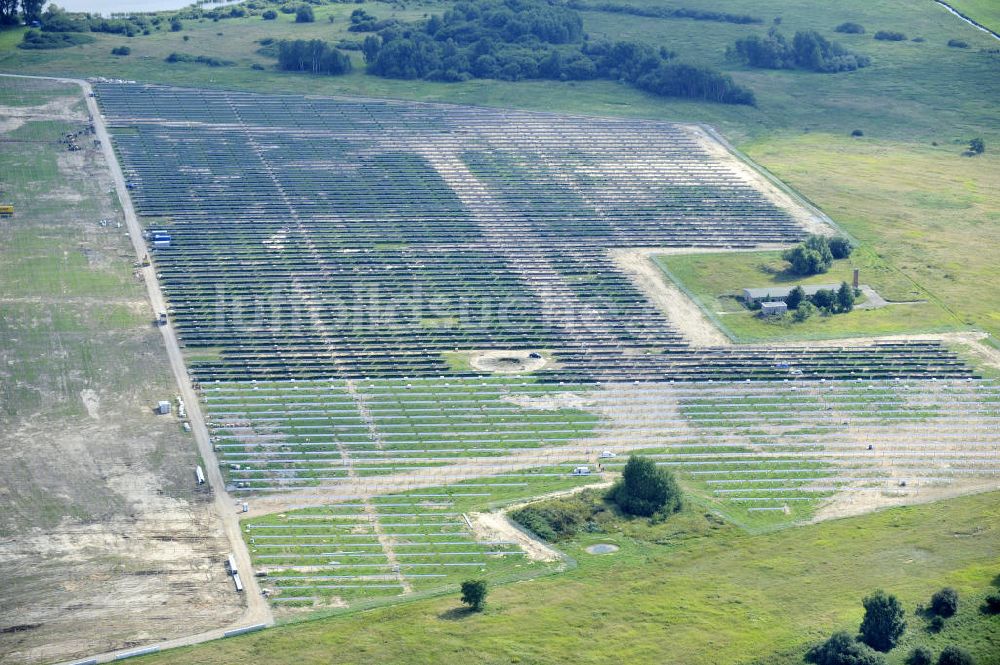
{"type": "Point", "coordinates": [953, 655]}
{"type": "Point", "coordinates": [474, 594]}
{"type": "Point", "coordinates": [977, 146]}
{"type": "Point", "coordinates": [840, 247]}
{"type": "Point", "coordinates": [944, 603]}
{"type": "Point", "coordinates": [845, 297]}
{"type": "Point", "coordinates": [645, 489]}
{"type": "Point", "coordinates": [884, 622]}
{"type": "Point", "coordinates": [304, 14]}
{"type": "Point", "coordinates": [795, 297]}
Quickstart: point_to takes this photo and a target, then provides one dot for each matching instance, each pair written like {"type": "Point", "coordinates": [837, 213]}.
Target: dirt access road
{"type": "Point", "coordinates": [258, 610]}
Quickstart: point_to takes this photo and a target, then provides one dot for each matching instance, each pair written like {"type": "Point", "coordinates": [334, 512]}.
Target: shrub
{"type": "Point", "coordinates": [558, 519]}
{"type": "Point", "coordinates": [474, 594]}
{"type": "Point", "coordinates": [840, 248]}
{"type": "Point", "coordinates": [977, 146]}
{"type": "Point", "coordinates": [936, 624]}
{"type": "Point", "coordinates": [845, 298]}
{"type": "Point", "coordinates": [35, 40]}
{"type": "Point", "coordinates": [884, 622]}
{"type": "Point", "coordinates": [645, 489]}
{"type": "Point", "coordinates": [857, 132]}
{"type": "Point", "coordinates": [920, 656]}
{"type": "Point", "coordinates": [257, 67]}
{"type": "Point", "coordinates": [944, 603]}
{"type": "Point", "coordinates": [269, 15]}
{"type": "Point", "coordinates": [304, 14]}
{"type": "Point", "coordinates": [890, 36]}
{"type": "Point", "coordinates": [850, 28]}
{"type": "Point", "coordinates": [803, 312]}
{"type": "Point", "coordinates": [795, 297]}
{"type": "Point", "coordinates": [201, 60]}
{"type": "Point", "coordinates": [121, 50]}
{"type": "Point", "coordinates": [843, 649]}
{"type": "Point", "coordinates": [176, 25]}
{"type": "Point", "coordinates": [812, 257]}
{"type": "Point", "coordinates": [958, 43]}
{"type": "Point", "coordinates": [824, 298]}
{"type": "Point", "coordinates": [953, 655]}
{"type": "Point", "coordinates": [992, 604]}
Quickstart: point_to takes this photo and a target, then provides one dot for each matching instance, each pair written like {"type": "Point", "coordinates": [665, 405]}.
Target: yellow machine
{"type": "Point", "coordinates": [6, 211]}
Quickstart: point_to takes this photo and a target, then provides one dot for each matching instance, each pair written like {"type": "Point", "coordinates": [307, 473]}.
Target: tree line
{"type": "Point", "coordinates": [30, 10]}
{"type": "Point", "coordinates": [314, 56]}
{"type": "Point", "coordinates": [514, 40]}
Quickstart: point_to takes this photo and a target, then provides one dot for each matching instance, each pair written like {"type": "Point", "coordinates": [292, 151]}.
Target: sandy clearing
{"type": "Point", "coordinates": [862, 501]}
{"type": "Point", "coordinates": [497, 525]}
{"type": "Point", "coordinates": [679, 309]}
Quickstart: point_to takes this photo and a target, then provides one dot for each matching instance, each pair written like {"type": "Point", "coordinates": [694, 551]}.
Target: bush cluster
{"type": "Point", "coordinates": [211, 61]}
{"type": "Point", "coordinates": [34, 39]}
{"type": "Point", "coordinates": [890, 36]}
{"type": "Point", "coordinates": [808, 50]}
{"type": "Point", "coordinates": [560, 519]}
{"type": "Point", "coordinates": [850, 28]}
{"type": "Point", "coordinates": [816, 254]}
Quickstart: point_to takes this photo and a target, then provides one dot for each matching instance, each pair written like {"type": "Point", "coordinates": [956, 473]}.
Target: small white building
{"type": "Point", "coordinates": [773, 308]}
{"type": "Point", "coordinates": [163, 408]}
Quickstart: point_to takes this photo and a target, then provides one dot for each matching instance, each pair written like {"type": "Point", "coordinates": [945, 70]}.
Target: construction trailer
{"type": "Point", "coordinates": [199, 473]}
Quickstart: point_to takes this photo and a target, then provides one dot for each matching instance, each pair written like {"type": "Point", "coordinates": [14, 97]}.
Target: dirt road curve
{"type": "Point", "coordinates": [258, 610]}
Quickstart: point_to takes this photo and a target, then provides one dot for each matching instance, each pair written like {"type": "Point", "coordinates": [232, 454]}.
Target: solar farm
{"type": "Point", "coordinates": [397, 315]}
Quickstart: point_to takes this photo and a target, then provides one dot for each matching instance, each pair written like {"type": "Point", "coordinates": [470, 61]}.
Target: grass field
{"type": "Point", "coordinates": [689, 591]}
{"type": "Point", "coordinates": [921, 210]}
{"type": "Point", "coordinates": [716, 282]}
{"type": "Point", "coordinates": [984, 12]}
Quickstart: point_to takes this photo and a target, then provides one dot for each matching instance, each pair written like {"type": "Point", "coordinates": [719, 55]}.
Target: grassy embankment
{"type": "Point", "coordinates": [983, 12]}
{"type": "Point", "coordinates": [689, 591]}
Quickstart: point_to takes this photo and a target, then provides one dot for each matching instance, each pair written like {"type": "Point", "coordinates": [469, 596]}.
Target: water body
{"type": "Point", "coordinates": [109, 7]}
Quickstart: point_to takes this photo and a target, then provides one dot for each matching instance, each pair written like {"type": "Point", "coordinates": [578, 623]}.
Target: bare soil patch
{"type": "Point", "coordinates": [106, 542]}
{"type": "Point", "coordinates": [508, 362]}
